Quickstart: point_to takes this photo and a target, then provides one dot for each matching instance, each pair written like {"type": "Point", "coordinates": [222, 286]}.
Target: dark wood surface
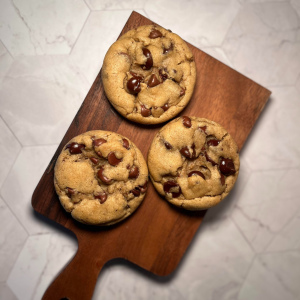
{"type": "Point", "coordinates": [157, 235]}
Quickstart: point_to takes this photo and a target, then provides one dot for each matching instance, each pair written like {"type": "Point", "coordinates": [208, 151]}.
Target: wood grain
{"type": "Point", "coordinates": [157, 235]}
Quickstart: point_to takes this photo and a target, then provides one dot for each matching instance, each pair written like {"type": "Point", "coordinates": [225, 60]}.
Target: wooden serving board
{"type": "Point", "coordinates": [157, 235]}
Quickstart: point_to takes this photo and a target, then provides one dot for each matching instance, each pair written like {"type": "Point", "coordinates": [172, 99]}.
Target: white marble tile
{"type": "Point", "coordinates": [40, 97]}
{"type": "Point", "coordinates": [41, 27]}
{"type": "Point", "coordinates": [274, 142]}
{"type": "Point", "coordinates": [18, 188]}
{"type": "Point", "coordinates": [214, 267]}
{"type": "Point", "coordinates": [201, 23]}
{"type": "Point", "coordinates": [218, 54]}
{"type": "Point", "coordinates": [266, 206]}
{"type": "Point", "coordinates": [100, 31]}
{"type": "Point", "coordinates": [6, 293]}
{"type": "Point", "coordinates": [289, 237]}
{"type": "Point", "coordinates": [263, 43]}
{"type": "Point", "coordinates": [5, 62]}
{"type": "Point", "coordinates": [115, 4]}
{"type": "Point", "coordinates": [28, 268]}
{"type": "Point", "coordinates": [9, 149]}
{"type": "Point", "coordinates": [273, 276]}
{"type": "Point", "coordinates": [296, 6]}
{"type": "Point", "coordinates": [12, 239]}
{"type": "Point", "coordinates": [61, 248]}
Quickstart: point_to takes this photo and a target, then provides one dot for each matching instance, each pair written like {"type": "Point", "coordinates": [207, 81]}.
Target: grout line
{"type": "Point", "coordinates": [11, 131]}
{"type": "Point", "coordinates": [242, 233]}
{"type": "Point", "coordinates": [12, 57]}
{"type": "Point", "coordinates": [87, 5]}
{"type": "Point", "coordinates": [247, 273]}
{"type": "Point", "coordinates": [75, 42]}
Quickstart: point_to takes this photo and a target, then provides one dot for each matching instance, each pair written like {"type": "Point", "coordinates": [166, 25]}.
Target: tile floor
{"type": "Point", "coordinates": [50, 53]}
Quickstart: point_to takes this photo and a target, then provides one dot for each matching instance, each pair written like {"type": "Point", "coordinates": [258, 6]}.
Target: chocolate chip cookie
{"type": "Point", "coordinates": [149, 74]}
{"type": "Point", "coordinates": [193, 162]}
{"type": "Point", "coordinates": [100, 177]}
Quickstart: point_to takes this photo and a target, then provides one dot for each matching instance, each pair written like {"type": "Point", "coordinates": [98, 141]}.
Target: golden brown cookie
{"type": "Point", "coordinates": [193, 162]}
{"type": "Point", "coordinates": [100, 177]}
{"type": "Point", "coordinates": [149, 74]}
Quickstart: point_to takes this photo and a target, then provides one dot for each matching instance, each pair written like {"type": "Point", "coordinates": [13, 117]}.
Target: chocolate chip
{"type": "Point", "coordinates": [194, 151]}
{"type": "Point", "coordinates": [226, 166]}
{"type": "Point", "coordinates": [136, 191]}
{"type": "Point", "coordinates": [164, 76]}
{"type": "Point", "coordinates": [193, 173]}
{"type": "Point", "coordinates": [168, 145]}
{"type": "Point", "coordinates": [222, 179]}
{"type": "Point", "coordinates": [165, 107]}
{"type": "Point", "coordinates": [134, 172]}
{"type": "Point", "coordinates": [153, 81]}
{"type": "Point", "coordinates": [203, 128]}
{"type": "Point", "coordinates": [94, 160]}
{"type": "Point", "coordinates": [143, 188]}
{"type": "Point", "coordinates": [112, 159]}
{"type": "Point", "coordinates": [102, 197]}
{"type": "Point", "coordinates": [172, 185]}
{"type": "Point", "coordinates": [182, 92]}
{"type": "Point", "coordinates": [98, 142]}
{"type": "Point", "coordinates": [103, 178]}
{"type": "Point", "coordinates": [155, 34]}
{"type": "Point", "coordinates": [134, 85]}
{"type": "Point", "coordinates": [213, 142]}
{"type": "Point", "coordinates": [185, 152]}
{"type": "Point", "coordinates": [186, 121]}
{"type": "Point", "coordinates": [70, 192]}
{"type": "Point", "coordinates": [167, 50]}
{"type": "Point", "coordinates": [145, 112]}
{"type": "Point", "coordinates": [75, 148]}
{"type": "Point", "coordinates": [210, 160]}
{"type": "Point", "coordinates": [125, 144]}
{"type": "Point", "coordinates": [149, 61]}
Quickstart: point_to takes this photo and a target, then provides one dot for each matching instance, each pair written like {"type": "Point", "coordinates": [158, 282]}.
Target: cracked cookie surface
{"type": "Point", "coordinates": [100, 177]}
{"type": "Point", "coordinates": [149, 74]}
{"type": "Point", "coordinates": [193, 162]}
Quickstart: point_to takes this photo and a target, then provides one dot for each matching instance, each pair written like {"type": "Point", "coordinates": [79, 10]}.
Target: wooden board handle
{"type": "Point", "coordinates": [78, 279]}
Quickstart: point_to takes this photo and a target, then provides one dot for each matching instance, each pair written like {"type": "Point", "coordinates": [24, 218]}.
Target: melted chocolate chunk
{"type": "Point", "coordinates": [182, 92]}
{"type": "Point", "coordinates": [134, 172]}
{"type": "Point", "coordinates": [143, 188]}
{"type": "Point", "coordinates": [70, 192]}
{"type": "Point", "coordinates": [149, 61]}
{"type": "Point", "coordinates": [186, 121]}
{"type": "Point", "coordinates": [75, 148]}
{"type": "Point", "coordinates": [186, 152]}
{"type": "Point", "coordinates": [203, 128]}
{"type": "Point", "coordinates": [94, 160]}
{"type": "Point", "coordinates": [222, 179]}
{"type": "Point", "coordinates": [213, 142]}
{"type": "Point", "coordinates": [134, 85]}
{"type": "Point", "coordinates": [125, 144]}
{"type": "Point", "coordinates": [164, 76]}
{"type": "Point", "coordinates": [172, 185]}
{"type": "Point", "coordinates": [165, 107]}
{"type": "Point", "coordinates": [155, 34]}
{"type": "Point", "coordinates": [102, 197]}
{"type": "Point", "coordinates": [167, 50]}
{"type": "Point", "coordinates": [168, 145]}
{"type": "Point", "coordinates": [153, 81]}
{"type": "Point", "coordinates": [103, 178]}
{"type": "Point", "coordinates": [112, 159]}
{"type": "Point", "coordinates": [226, 166]}
{"type": "Point", "coordinates": [194, 173]}
{"type": "Point", "coordinates": [145, 112]}
{"type": "Point", "coordinates": [98, 142]}
{"type": "Point", "coordinates": [136, 191]}
{"type": "Point", "coordinates": [209, 159]}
